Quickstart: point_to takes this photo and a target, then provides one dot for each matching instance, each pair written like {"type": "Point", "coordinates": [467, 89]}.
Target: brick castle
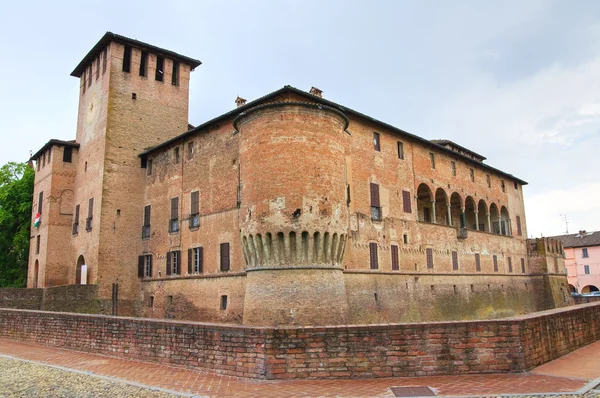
{"type": "Point", "coordinates": [289, 209]}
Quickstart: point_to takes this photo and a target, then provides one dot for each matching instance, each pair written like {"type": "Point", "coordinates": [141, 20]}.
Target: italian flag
{"type": "Point", "coordinates": [38, 219]}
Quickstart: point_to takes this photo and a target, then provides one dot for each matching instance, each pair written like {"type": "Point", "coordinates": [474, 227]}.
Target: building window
{"type": "Point", "coordinates": [584, 251]}
{"type": "Point", "coordinates": [472, 174]}
{"type": "Point", "coordinates": [495, 260]}
{"type": "Point", "coordinates": [586, 269]}
{"type": "Point", "coordinates": [488, 180]}
{"type": "Point", "coordinates": [373, 260]}
{"type": "Point", "coordinates": [375, 204]}
{"type": "Point", "coordinates": [146, 225]}
{"type": "Point", "coordinates": [510, 264]}
{"type": "Point", "coordinates": [176, 155]}
{"type": "Point", "coordinates": [516, 185]}
{"type": "Point", "coordinates": [400, 150]}
{"type": "Point", "coordinates": [40, 202]}
{"type": "Point", "coordinates": [223, 303]}
{"type": "Point", "coordinates": [149, 167]}
{"type": "Point", "coordinates": [405, 239]}
{"type": "Point", "coordinates": [173, 262]}
{"type": "Point", "coordinates": [426, 214]}
{"type": "Point", "coordinates": [502, 186]}
{"type": "Point", "coordinates": [104, 56]}
{"type": "Point", "coordinates": [90, 76]}
{"type": "Point", "coordinates": [406, 202]}
{"type": "Point", "coordinates": [453, 167]}
{"type": "Point", "coordinates": [88, 220]}
{"type": "Point", "coordinates": [145, 266]}
{"type": "Point", "coordinates": [175, 74]}
{"type": "Point", "coordinates": [523, 266]}
{"type": "Point", "coordinates": [144, 64]}
{"type": "Point", "coordinates": [395, 262]}
{"type": "Point", "coordinates": [432, 159]}
{"type": "Point", "coordinates": [160, 65]}
{"type": "Point", "coordinates": [37, 244]}
{"type": "Point", "coordinates": [76, 221]}
{"type": "Point", "coordinates": [190, 151]}
{"type": "Point", "coordinates": [195, 210]}
{"type": "Point", "coordinates": [519, 231]}
{"type": "Point", "coordinates": [195, 260]}
{"type": "Point", "coordinates": [225, 263]}
{"type": "Point", "coordinates": [477, 262]}
{"type": "Point", "coordinates": [376, 142]}
{"type": "Point", "coordinates": [174, 221]}
{"type": "Point", "coordinates": [455, 261]}
{"type": "Point", "coordinates": [127, 59]}
{"type": "Point", "coordinates": [429, 253]}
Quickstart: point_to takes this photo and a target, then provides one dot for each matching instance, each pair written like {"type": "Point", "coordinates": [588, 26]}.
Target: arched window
{"type": "Point", "coordinates": [424, 203]}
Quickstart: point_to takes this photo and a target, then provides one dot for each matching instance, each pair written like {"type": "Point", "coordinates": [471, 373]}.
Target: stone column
{"type": "Point", "coordinates": [463, 218]}
{"type": "Point", "coordinates": [433, 212]}
{"type": "Point", "coordinates": [476, 219]}
{"type": "Point", "coordinates": [489, 220]}
{"type": "Point", "coordinates": [449, 213]}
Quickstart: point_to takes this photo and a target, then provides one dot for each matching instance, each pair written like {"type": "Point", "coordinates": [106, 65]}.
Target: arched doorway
{"type": "Point", "coordinates": [589, 289]}
{"type": "Point", "coordinates": [81, 268]}
{"type": "Point", "coordinates": [36, 272]}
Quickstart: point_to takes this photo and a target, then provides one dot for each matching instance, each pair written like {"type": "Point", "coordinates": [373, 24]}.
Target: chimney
{"type": "Point", "coordinates": [240, 101]}
{"type": "Point", "coordinates": [316, 92]}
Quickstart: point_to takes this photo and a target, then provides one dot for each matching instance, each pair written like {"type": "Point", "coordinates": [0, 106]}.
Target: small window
{"type": "Point", "coordinates": [523, 266]}
{"type": "Point", "coordinates": [174, 221]}
{"type": "Point", "coordinates": [190, 150]}
{"type": "Point", "coordinates": [146, 225]}
{"type": "Point", "coordinates": [104, 56]}
{"type": "Point", "coordinates": [519, 231]}
{"type": "Point", "coordinates": [489, 180]}
{"type": "Point", "coordinates": [97, 67]}
{"type": "Point", "coordinates": [477, 262]}
{"type": "Point", "coordinates": [495, 260]}
{"type": "Point", "coordinates": [395, 262]}
{"type": "Point", "coordinates": [406, 202]}
{"type": "Point", "coordinates": [400, 150]}
{"type": "Point", "coordinates": [149, 167]}
{"type": "Point", "coordinates": [195, 210]}
{"type": "Point", "coordinates": [37, 244]}
{"type": "Point", "coordinates": [516, 185]}
{"type": "Point", "coordinates": [375, 204]}
{"type": "Point", "coordinates": [49, 155]}
{"type": "Point", "coordinates": [472, 173]}
{"type": "Point", "coordinates": [151, 302]}
{"type": "Point", "coordinates": [376, 142]}
{"type": "Point", "coordinates": [432, 159]}
{"type": "Point", "coordinates": [510, 269]}
{"type": "Point", "coordinates": [90, 76]}
{"type": "Point", "coordinates": [453, 167]}
{"type": "Point", "coordinates": [175, 74]}
{"type": "Point", "coordinates": [40, 202]}
{"type": "Point", "coordinates": [455, 261]}
{"type": "Point", "coordinates": [373, 260]}
{"type": "Point", "coordinates": [405, 239]}
{"type": "Point", "coordinates": [88, 220]}
{"type": "Point", "coordinates": [144, 64]}
{"type": "Point", "coordinates": [502, 186]}
{"type": "Point", "coordinates": [160, 65]}
{"type": "Point", "coordinates": [223, 303]}
{"type": "Point", "coordinates": [83, 79]}
{"type": "Point", "coordinates": [225, 262]}
{"type": "Point", "coordinates": [586, 269]}
{"type": "Point", "coordinates": [584, 252]}
{"type": "Point", "coordinates": [429, 253]}
{"type": "Point", "coordinates": [127, 59]}
{"type": "Point", "coordinates": [76, 221]}
{"type": "Point", "coordinates": [176, 155]}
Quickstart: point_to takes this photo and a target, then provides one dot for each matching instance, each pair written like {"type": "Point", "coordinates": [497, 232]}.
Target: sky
{"type": "Point", "coordinates": [516, 81]}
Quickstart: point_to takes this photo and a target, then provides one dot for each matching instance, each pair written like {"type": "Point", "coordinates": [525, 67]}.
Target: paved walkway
{"type": "Point", "coordinates": [567, 374]}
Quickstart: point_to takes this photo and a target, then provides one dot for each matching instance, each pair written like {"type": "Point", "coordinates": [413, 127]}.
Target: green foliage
{"type": "Point", "coordinates": [16, 191]}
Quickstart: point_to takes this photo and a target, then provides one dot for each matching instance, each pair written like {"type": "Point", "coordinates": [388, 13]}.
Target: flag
{"type": "Point", "coordinates": [38, 219]}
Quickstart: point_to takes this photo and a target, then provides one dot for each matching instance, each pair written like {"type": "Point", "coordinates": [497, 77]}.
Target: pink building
{"type": "Point", "coordinates": [582, 260]}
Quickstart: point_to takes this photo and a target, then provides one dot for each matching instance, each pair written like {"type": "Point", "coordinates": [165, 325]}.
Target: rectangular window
{"type": "Point", "coordinates": [584, 251]}
{"type": "Point", "coordinates": [40, 202]}
{"type": "Point", "coordinates": [495, 260]}
{"type": "Point", "coordinates": [405, 239]}
{"type": "Point", "coordinates": [429, 258]}
{"type": "Point", "coordinates": [37, 244]}
{"type": "Point", "coordinates": [195, 260]}
{"type": "Point", "coordinates": [173, 263]}
{"type": "Point", "coordinates": [83, 78]}
{"type": "Point", "coordinates": [160, 64]}
{"type": "Point", "coordinates": [88, 221]}
{"type": "Point", "coordinates": [223, 303]}
{"type": "Point", "coordinates": [225, 263]}
{"type": "Point", "coordinates": [67, 154]}
{"type": "Point", "coordinates": [477, 262]}
{"type": "Point", "coordinates": [586, 269]}
{"type": "Point", "coordinates": [516, 185]}
{"type": "Point", "coordinates": [455, 261]}
{"type": "Point", "coordinates": [146, 225]}
{"type": "Point", "coordinates": [104, 56]}
{"type": "Point", "coordinates": [144, 64]}
{"type": "Point", "coordinates": [145, 266]}
{"type": "Point", "coordinates": [195, 210]}
{"type": "Point", "coordinates": [176, 151]}
{"type": "Point", "coordinates": [406, 202]}
{"type": "Point", "coordinates": [395, 262]}
{"type": "Point", "coordinates": [510, 269]}
{"type": "Point", "coordinates": [127, 59]}
{"type": "Point", "coordinates": [472, 174]}
{"type": "Point", "coordinates": [453, 167]}
{"type": "Point", "coordinates": [49, 155]}
{"type": "Point", "coordinates": [190, 151]}
{"type": "Point", "coordinates": [174, 221]}
{"type": "Point", "coordinates": [373, 260]}
{"type": "Point", "coordinates": [375, 204]}
{"type": "Point", "coordinates": [400, 150]}
{"type": "Point", "coordinates": [376, 142]}
{"type": "Point", "coordinates": [523, 266]}
{"type": "Point", "coordinates": [432, 159]}
{"type": "Point", "coordinates": [519, 232]}
{"type": "Point", "coordinates": [149, 167]}
{"type": "Point", "coordinates": [502, 186]}
{"type": "Point", "coordinates": [76, 221]}
{"type": "Point", "coordinates": [488, 180]}
{"type": "Point", "coordinates": [175, 74]}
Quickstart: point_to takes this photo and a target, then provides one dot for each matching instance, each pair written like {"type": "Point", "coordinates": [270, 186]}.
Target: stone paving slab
{"type": "Point", "coordinates": [189, 381]}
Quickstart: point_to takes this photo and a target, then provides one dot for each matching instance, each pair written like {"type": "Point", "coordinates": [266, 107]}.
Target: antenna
{"type": "Point", "coordinates": [564, 217]}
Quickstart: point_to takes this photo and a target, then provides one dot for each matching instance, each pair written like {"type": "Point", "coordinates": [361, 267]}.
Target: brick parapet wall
{"type": "Point", "coordinates": [464, 347]}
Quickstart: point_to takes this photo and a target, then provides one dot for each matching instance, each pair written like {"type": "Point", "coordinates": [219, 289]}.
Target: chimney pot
{"type": "Point", "coordinates": [316, 92]}
{"type": "Point", "coordinates": [240, 101]}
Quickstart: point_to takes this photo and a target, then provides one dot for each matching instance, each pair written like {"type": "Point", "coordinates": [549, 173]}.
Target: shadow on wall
{"type": "Point", "coordinates": [69, 298]}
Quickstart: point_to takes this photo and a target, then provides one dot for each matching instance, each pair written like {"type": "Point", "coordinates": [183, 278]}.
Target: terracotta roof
{"type": "Point", "coordinates": [462, 148]}
{"type": "Point", "coordinates": [51, 143]}
{"type": "Point", "coordinates": [591, 238]}
{"type": "Point", "coordinates": [110, 37]}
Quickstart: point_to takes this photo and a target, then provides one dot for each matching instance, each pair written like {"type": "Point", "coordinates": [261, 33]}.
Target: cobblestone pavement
{"type": "Point", "coordinates": [22, 380]}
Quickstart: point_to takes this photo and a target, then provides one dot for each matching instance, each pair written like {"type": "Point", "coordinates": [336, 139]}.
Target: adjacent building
{"type": "Point", "coordinates": [289, 209]}
{"type": "Point", "coordinates": [582, 260]}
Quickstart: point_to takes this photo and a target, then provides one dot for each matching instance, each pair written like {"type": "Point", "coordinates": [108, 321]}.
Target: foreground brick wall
{"type": "Point", "coordinates": [494, 346]}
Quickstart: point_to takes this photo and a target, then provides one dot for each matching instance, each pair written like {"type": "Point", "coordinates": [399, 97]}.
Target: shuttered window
{"type": "Point", "coordinates": [522, 265]}
{"type": "Point", "coordinates": [225, 263]}
{"type": "Point", "coordinates": [146, 225]}
{"type": "Point", "coordinates": [174, 262]}
{"type": "Point", "coordinates": [374, 263]}
{"type": "Point", "coordinates": [395, 263]}
{"type": "Point", "coordinates": [174, 221]}
{"type": "Point", "coordinates": [477, 262]}
{"type": "Point", "coordinates": [406, 202]}
{"type": "Point", "coordinates": [375, 203]}
{"type": "Point", "coordinates": [195, 210]}
{"type": "Point", "coordinates": [455, 261]}
{"type": "Point", "coordinates": [519, 232]}
{"type": "Point", "coordinates": [195, 260]}
{"type": "Point", "coordinates": [510, 264]}
{"type": "Point", "coordinates": [429, 258]}
{"type": "Point", "coordinates": [495, 260]}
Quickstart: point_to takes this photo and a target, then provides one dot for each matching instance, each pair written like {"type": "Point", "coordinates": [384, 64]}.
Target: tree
{"type": "Point", "coordinates": [16, 192]}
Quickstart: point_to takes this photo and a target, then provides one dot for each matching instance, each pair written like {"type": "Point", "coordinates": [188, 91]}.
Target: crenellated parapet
{"type": "Point", "coordinates": [546, 255]}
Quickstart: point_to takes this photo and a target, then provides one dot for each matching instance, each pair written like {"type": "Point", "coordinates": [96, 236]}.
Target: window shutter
{"type": "Point", "coordinates": [373, 255]}
{"type": "Point", "coordinates": [195, 202]}
{"type": "Point", "coordinates": [201, 258]}
{"type": "Point", "coordinates": [169, 263]}
{"type": "Point", "coordinates": [495, 263]}
{"type": "Point", "coordinates": [76, 214]}
{"type": "Point", "coordinates": [395, 264]}
{"type": "Point", "coordinates": [90, 208]}
{"type": "Point", "coordinates": [174, 208]}
{"type": "Point", "coordinates": [178, 262]}
{"type": "Point", "coordinates": [406, 201]}
{"type": "Point", "coordinates": [375, 195]}
{"type": "Point", "coordinates": [140, 266]}
{"type": "Point", "coordinates": [477, 262]}
{"type": "Point", "coordinates": [510, 264]}
{"type": "Point", "coordinates": [40, 201]}
{"type": "Point", "coordinates": [455, 261]}
{"type": "Point", "coordinates": [150, 263]}
{"type": "Point", "coordinates": [147, 210]}
{"type": "Point", "coordinates": [225, 257]}
{"type": "Point", "coordinates": [190, 260]}
{"type": "Point", "coordinates": [519, 232]}
{"type": "Point", "coordinates": [429, 258]}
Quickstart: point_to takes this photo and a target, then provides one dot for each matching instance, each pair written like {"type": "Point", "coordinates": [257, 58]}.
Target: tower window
{"type": "Point", "coordinates": [373, 260]}
{"type": "Point", "coordinates": [127, 59]}
{"type": "Point", "coordinates": [144, 64]}
{"type": "Point", "coordinates": [175, 74]}
{"type": "Point", "coordinates": [395, 262]}
{"type": "Point", "coordinates": [376, 142]}
{"type": "Point", "coordinates": [67, 154]}
{"type": "Point", "coordinates": [104, 55]}
{"type": "Point", "coordinates": [477, 262]}
{"type": "Point", "coordinates": [97, 67]}
{"type": "Point", "coordinates": [160, 68]}
{"type": "Point", "coordinates": [176, 154]}
{"type": "Point", "coordinates": [225, 264]}
{"type": "Point", "coordinates": [432, 159]}
{"type": "Point", "coordinates": [174, 221]}
{"type": "Point", "coordinates": [429, 253]}
{"type": "Point", "coordinates": [375, 204]}
{"type": "Point", "coordinates": [223, 303]}
{"type": "Point", "coordinates": [472, 173]}
{"type": "Point", "coordinates": [453, 167]}
{"type": "Point", "coordinates": [400, 150]}
{"type": "Point", "coordinates": [37, 244]}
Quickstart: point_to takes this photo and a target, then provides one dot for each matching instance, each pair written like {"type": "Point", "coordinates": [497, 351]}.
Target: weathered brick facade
{"type": "Point", "coordinates": [287, 210]}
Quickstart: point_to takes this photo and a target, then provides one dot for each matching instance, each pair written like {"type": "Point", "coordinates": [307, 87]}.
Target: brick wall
{"type": "Point", "coordinates": [494, 346]}
{"type": "Point", "coordinates": [72, 298]}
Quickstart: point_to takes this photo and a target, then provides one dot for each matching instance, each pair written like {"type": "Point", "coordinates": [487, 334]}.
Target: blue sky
{"type": "Point", "coordinates": [517, 81]}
